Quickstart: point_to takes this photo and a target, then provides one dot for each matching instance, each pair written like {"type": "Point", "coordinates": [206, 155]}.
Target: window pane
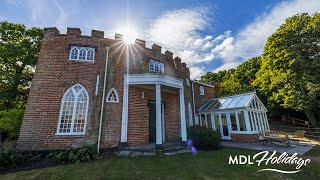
{"type": "Point", "coordinates": [82, 54]}
{"type": "Point", "coordinates": [242, 122]}
{"type": "Point", "coordinates": [90, 55]}
{"type": "Point", "coordinates": [233, 122]}
{"type": "Point", "coordinates": [74, 53]}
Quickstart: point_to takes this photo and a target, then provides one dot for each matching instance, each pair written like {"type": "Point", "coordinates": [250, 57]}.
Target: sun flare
{"type": "Point", "coordinates": [129, 34]}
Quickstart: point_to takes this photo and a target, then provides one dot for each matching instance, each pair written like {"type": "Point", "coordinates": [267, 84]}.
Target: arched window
{"type": "Point", "coordinates": [190, 114]}
{"type": "Point", "coordinates": [90, 55]}
{"type": "Point", "coordinates": [73, 111]}
{"type": "Point", "coordinates": [82, 54]}
{"type": "Point", "coordinates": [151, 66]}
{"type": "Point", "coordinates": [74, 53]}
{"type": "Point", "coordinates": [112, 96]}
{"type": "Point", "coordinates": [188, 82]}
{"type": "Point", "coordinates": [202, 90]}
{"type": "Point", "coordinates": [156, 67]}
{"type": "Point", "coordinates": [161, 68]}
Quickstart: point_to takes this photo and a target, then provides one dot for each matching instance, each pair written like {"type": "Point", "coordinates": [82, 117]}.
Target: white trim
{"type": "Point", "coordinates": [158, 115]}
{"type": "Point", "coordinates": [116, 93]}
{"type": "Point", "coordinates": [182, 115]}
{"type": "Point", "coordinates": [244, 132]}
{"type": "Point", "coordinates": [97, 85]}
{"type": "Point", "coordinates": [124, 125]}
{"type": "Point", "coordinates": [71, 133]}
{"type": "Point", "coordinates": [150, 78]}
{"type": "Point", "coordinates": [86, 50]}
{"type": "Point", "coordinates": [247, 120]}
{"type": "Point", "coordinates": [203, 83]}
{"type": "Point", "coordinates": [237, 120]}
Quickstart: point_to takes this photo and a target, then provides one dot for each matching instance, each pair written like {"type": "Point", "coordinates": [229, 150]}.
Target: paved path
{"type": "Point", "coordinates": [301, 149]}
{"type": "Point", "coordinates": [141, 153]}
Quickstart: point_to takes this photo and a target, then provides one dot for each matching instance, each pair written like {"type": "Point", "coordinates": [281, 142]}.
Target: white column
{"type": "Point", "coordinates": [246, 119]}
{"type": "Point", "coordinates": [213, 123]}
{"type": "Point", "coordinates": [237, 120]}
{"type": "Point", "coordinates": [158, 115]}
{"type": "Point", "coordinates": [197, 120]}
{"type": "Point", "coordinates": [183, 116]}
{"type": "Point", "coordinates": [124, 127]}
{"type": "Point", "coordinates": [220, 124]}
{"type": "Point", "coordinates": [229, 123]}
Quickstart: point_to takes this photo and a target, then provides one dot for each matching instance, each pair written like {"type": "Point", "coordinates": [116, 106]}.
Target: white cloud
{"type": "Point", "coordinates": [196, 72]}
{"type": "Point", "coordinates": [179, 32]}
{"type": "Point", "coordinates": [249, 42]}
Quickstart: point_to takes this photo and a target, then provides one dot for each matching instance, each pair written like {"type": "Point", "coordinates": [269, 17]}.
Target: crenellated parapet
{"type": "Point", "coordinates": [52, 32]}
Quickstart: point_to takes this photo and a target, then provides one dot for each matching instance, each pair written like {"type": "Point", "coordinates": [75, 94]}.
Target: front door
{"type": "Point", "coordinates": [152, 121]}
{"type": "Point", "coordinates": [225, 127]}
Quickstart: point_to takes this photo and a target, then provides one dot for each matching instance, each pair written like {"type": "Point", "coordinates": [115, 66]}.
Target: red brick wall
{"type": "Point", "coordinates": [138, 121]}
{"type": "Point", "coordinates": [200, 99]}
{"type": "Point", "coordinates": [55, 74]}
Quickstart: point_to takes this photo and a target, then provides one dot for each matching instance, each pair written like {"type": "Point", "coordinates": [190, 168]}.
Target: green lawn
{"type": "Point", "coordinates": [205, 165]}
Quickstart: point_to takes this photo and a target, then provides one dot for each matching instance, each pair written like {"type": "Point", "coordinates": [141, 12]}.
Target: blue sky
{"type": "Point", "coordinates": [209, 35]}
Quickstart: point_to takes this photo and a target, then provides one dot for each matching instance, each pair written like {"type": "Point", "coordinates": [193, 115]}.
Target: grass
{"type": "Point", "coordinates": [204, 165]}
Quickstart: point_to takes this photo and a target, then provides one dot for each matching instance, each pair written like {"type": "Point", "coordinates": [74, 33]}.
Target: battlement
{"type": "Point", "coordinates": [51, 32]}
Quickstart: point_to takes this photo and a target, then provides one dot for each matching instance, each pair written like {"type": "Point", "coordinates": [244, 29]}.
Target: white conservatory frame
{"type": "Point", "coordinates": [218, 112]}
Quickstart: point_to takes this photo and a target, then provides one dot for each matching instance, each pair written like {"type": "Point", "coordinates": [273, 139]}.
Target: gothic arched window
{"type": "Point", "coordinates": [112, 96]}
{"type": "Point", "coordinates": [73, 111]}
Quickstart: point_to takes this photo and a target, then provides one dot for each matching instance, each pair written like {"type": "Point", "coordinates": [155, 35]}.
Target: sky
{"type": "Point", "coordinates": [209, 35]}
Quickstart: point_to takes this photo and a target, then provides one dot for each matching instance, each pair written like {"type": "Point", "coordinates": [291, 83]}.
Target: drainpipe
{"type": "Point", "coordinates": [103, 96]}
{"type": "Point", "coordinates": [194, 108]}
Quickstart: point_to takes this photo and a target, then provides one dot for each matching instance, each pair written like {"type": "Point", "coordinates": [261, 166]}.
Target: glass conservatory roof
{"type": "Point", "coordinates": [229, 102]}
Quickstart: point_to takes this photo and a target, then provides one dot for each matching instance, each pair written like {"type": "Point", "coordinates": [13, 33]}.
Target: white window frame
{"type": "Point", "coordinates": [155, 66]}
{"type": "Point", "coordinates": [116, 93]}
{"type": "Point", "coordinates": [86, 49]}
{"type": "Point", "coordinates": [71, 133]}
{"type": "Point", "coordinates": [201, 90]}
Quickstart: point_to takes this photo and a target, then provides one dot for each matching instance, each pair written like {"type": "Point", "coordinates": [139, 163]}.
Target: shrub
{"type": "Point", "coordinates": [203, 137]}
{"type": "Point", "coordinates": [10, 157]}
{"type": "Point", "coordinates": [84, 153]}
{"type": "Point", "coordinates": [10, 122]}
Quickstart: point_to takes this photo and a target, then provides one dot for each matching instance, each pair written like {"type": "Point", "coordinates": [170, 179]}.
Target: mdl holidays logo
{"type": "Point", "coordinates": [263, 158]}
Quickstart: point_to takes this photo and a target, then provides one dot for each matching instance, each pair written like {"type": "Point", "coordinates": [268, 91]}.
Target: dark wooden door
{"type": "Point", "coordinates": [152, 122]}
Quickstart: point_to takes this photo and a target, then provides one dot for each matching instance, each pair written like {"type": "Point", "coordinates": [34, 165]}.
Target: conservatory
{"type": "Point", "coordinates": [239, 117]}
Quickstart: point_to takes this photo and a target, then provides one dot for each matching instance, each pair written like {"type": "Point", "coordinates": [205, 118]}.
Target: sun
{"type": "Point", "coordinates": [129, 34]}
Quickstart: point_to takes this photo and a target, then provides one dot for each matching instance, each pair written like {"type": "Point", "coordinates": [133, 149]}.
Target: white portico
{"type": "Point", "coordinates": [159, 81]}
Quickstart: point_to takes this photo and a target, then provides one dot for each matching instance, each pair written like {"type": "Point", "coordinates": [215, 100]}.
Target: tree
{"type": "Point", "coordinates": [234, 81]}
{"type": "Point", "coordinates": [18, 55]}
{"type": "Point", "coordinates": [290, 70]}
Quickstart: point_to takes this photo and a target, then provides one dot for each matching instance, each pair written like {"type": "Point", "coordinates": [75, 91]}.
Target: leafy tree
{"type": "Point", "coordinates": [19, 48]}
{"type": "Point", "coordinates": [234, 81]}
{"type": "Point", "coordinates": [290, 70]}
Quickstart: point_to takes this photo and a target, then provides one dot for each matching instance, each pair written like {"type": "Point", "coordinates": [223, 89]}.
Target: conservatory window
{"type": "Point", "coordinates": [81, 54]}
{"type": "Point", "coordinates": [112, 96]}
{"type": "Point", "coordinates": [73, 111]}
{"type": "Point", "coordinates": [202, 90]}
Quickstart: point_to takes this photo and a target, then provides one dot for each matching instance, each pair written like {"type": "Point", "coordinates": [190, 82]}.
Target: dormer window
{"type": "Point", "coordinates": [155, 66]}
{"type": "Point", "coordinates": [81, 53]}
{"type": "Point", "coordinates": [201, 90]}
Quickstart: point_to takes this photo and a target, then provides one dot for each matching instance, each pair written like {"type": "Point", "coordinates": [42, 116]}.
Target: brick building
{"type": "Point", "coordinates": [96, 89]}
